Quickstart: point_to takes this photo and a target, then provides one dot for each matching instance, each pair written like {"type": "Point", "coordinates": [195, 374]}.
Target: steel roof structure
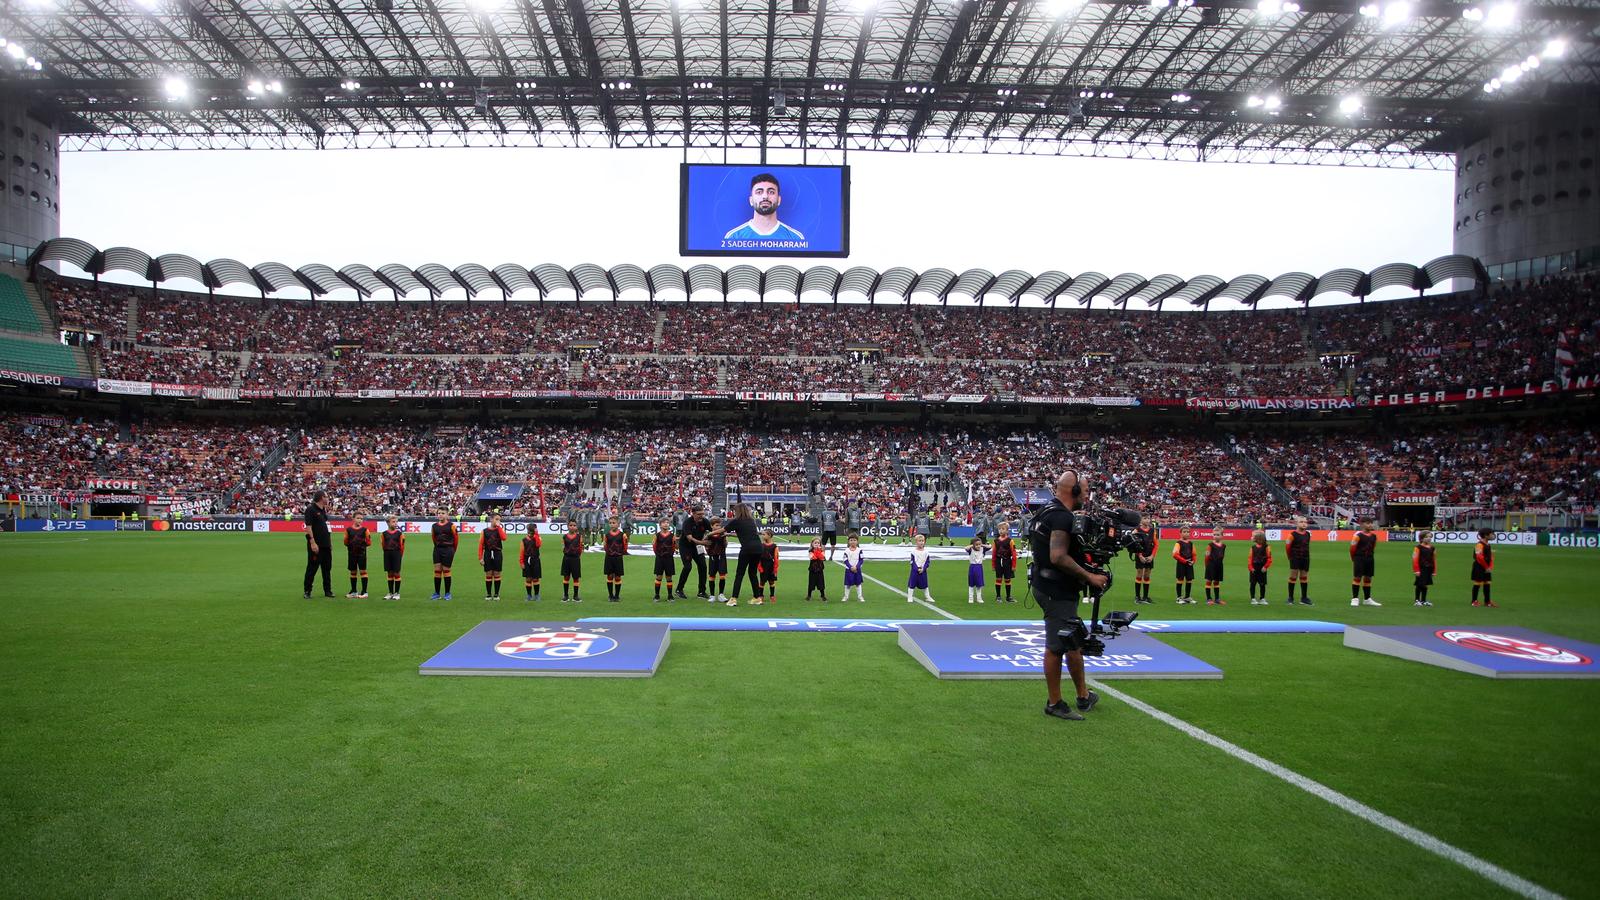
{"type": "Point", "coordinates": [745, 283]}
{"type": "Point", "coordinates": [1247, 80]}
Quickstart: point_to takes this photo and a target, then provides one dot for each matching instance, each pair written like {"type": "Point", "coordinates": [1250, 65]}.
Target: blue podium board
{"type": "Point", "coordinates": [561, 649]}
{"type": "Point", "coordinates": [1017, 651]}
{"type": "Point", "coordinates": [1493, 651]}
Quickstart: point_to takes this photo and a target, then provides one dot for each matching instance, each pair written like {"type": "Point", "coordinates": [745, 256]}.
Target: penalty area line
{"type": "Point", "coordinates": [1479, 866]}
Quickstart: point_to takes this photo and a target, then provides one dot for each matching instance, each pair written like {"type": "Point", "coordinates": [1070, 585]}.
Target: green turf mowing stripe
{"type": "Point", "coordinates": [885, 585]}
{"type": "Point", "coordinates": [1508, 880]}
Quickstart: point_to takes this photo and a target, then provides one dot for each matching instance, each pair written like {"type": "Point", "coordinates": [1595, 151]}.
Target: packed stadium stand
{"type": "Point", "coordinates": [1508, 335]}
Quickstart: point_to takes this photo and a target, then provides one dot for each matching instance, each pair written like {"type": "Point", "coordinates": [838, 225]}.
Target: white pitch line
{"type": "Point", "coordinates": [893, 590]}
{"type": "Point", "coordinates": [1482, 867]}
{"type": "Point", "coordinates": [1508, 880]}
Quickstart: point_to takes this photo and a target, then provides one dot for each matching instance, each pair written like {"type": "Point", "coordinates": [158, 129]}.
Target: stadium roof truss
{"type": "Point", "coordinates": [743, 283]}
{"type": "Point", "coordinates": [1183, 79]}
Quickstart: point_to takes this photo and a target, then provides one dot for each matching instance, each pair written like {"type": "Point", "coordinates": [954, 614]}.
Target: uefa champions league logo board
{"type": "Point", "coordinates": [615, 650]}
{"type": "Point", "coordinates": [1017, 651]}
{"type": "Point", "coordinates": [1487, 650]}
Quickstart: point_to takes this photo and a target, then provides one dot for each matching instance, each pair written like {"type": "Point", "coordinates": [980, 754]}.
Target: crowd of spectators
{"type": "Point", "coordinates": [1491, 467]}
{"type": "Point", "coordinates": [204, 368]}
{"type": "Point", "coordinates": [1183, 479]}
{"type": "Point", "coordinates": [50, 453]}
{"type": "Point", "coordinates": [1504, 337]}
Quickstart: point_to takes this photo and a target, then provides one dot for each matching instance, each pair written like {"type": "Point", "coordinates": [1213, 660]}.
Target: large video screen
{"type": "Point", "coordinates": [764, 211]}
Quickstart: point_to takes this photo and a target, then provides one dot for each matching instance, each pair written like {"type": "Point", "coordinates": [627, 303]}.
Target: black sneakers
{"type": "Point", "coordinates": [1087, 703]}
{"type": "Point", "coordinates": [1063, 710]}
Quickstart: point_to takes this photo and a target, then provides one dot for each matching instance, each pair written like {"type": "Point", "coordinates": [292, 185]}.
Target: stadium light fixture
{"type": "Point", "coordinates": [350, 84]}
{"type": "Point", "coordinates": [1253, 101]}
{"type": "Point", "coordinates": [151, 5]}
{"type": "Point", "coordinates": [177, 88]}
{"type": "Point", "coordinates": [1555, 49]}
{"type": "Point", "coordinates": [1368, 10]}
{"type": "Point", "coordinates": [1500, 15]}
{"type": "Point", "coordinates": [255, 88]}
{"type": "Point", "coordinates": [1396, 12]}
{"type": "Point", "coordinates": [16, 51]}
{"type": "Point", "coordinates": [1350, 105]}
{"type": "Point", "coordinates": [1274, 7]}
{"type": "Point", "coordinates": [1160, 4]}
{"type": "Point", "coordinates": [1181, 97]}
{"type": "Point", "coordinates": [1272, 103]}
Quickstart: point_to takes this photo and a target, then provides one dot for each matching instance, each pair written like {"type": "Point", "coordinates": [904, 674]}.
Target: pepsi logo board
{"type": "Point", "coordinates": [616, 650]}
{"type": "Point", "coordinates": [1490, 651]}
{"type": "Point", "coordinates": [1017, 651]}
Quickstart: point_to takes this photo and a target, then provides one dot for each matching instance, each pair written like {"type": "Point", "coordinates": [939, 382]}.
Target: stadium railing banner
{"type": "Point", "coordinates": [1487, 392]}
{"type": "Point", "coordinates": [1411, 498]}
{"type": "Point", "coordinates": [112, 484]}
{"type": "Point", "coordinates": [1572, 540]}
{"type": "Point", "coordinates": [213, 393]}
{"type": "Point", "coordinates": [1512, 538]}
{"type": "Point", "coordinates": [1270, 403]}
{"type": "Point", "coordinates": [61, 526]}
{"type": "Point", "coordinates": [1080, 401]}
{"type": "Point", "coordinates": [117, 498]}
{"type": "Point", "coordinates": [118, 386]}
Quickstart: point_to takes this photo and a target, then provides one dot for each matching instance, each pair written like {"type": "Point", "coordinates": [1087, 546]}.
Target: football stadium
{"type": "Point", "coordinates": [778, 448]}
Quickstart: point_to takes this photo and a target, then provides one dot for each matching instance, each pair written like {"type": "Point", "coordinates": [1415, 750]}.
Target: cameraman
{"type": "Point", "coordinates": [1058, 576]}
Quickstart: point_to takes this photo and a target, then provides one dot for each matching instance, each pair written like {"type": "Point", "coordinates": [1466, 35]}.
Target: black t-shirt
{"type": "Point", "coordinates": [692, 529]}
{"type": "Point", "coordinates": [317, 525]}
{"type": "Point", "coordinates": [748, 533]}
{"type": "Point", "coordinates": [1052, 518]}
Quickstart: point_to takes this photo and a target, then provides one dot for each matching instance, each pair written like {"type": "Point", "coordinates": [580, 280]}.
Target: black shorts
{"type": "Point", "coordinates": [571, 566]}
{"type": "Point", "coordinates": [717, 565]}
{"type": "Point", "coordinates": [830, 538]}
{"type": "Point", "coordinates": [1480, 575]}
{"type": "Point", "coordinates": [1423, 579]}
{"type": "Point", "coordinates": [392, 560]}
{"type": "Point", "coordinates": [1005, 573]}
{"type": "Point", "coordinates": [765, 577]}
{"type": "Point", "coordinates": [1143, 566]}
{"type": "Point", "coordinates": [1259, 576]}
{"type": "Point", "coordinates": [1362, 566]}
{"type": "Point", "coordinates": [1185, 572]}
{"type": "Point", "coordinates": [1060, 615]}
{"type": "Point", "coordinates": [444, 556]}
{"type": "Point", "coordinates": [533, 568]}
{"type": "Point", "coordinates": [612, 567]}
{"type": "Point", "coordinates": [357, 561]}
{"type": "Point", "coordinates": [1214, 571]}
{"type": "Point", "coordinates": [665, 567]}
{"type": "Point", "coordinates": [1300, 563]}
{"type": "Point", "coordinates": [494, 560]}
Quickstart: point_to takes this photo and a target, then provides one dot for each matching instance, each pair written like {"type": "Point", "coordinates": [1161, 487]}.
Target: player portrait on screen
{"type": "Point", "coordinates": [764, 226]}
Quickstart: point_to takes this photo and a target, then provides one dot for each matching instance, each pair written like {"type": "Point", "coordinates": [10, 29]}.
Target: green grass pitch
{"type": "Point", "coordinates": [176, 720]}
